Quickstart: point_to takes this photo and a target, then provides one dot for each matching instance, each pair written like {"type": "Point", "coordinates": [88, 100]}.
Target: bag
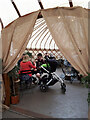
{"type": "Point", "coordinates": [25, 77]}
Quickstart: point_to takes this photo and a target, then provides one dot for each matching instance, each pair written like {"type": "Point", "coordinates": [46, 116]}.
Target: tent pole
{"type": "Point", "coordinates": [70, 3]}
{"type": "Point", "coordinates": [16, 8]}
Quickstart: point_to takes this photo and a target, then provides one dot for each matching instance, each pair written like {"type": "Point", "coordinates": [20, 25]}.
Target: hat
{"type": "Point", "coordinates": [26, 58]}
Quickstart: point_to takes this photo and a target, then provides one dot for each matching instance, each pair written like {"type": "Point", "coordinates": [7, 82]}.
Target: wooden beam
{"type": "Point", "coordinates": [16, 8]}
{"type": "Point", "coordinates": [40, 3]}
{"type": "Point", "coordinates": [41, 6]}
{"type": "Point", "coordinates": [7, 89]}
{"type": "Point", "coordinates": [1, 23]}
{"type": "Point", "coordinates": [40, 49]}
{"type": "Point", "coordinates": [70, 3]}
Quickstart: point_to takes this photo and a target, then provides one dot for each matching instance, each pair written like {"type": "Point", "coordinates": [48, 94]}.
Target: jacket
{"type": "Point", "coordinates": [25, 68]}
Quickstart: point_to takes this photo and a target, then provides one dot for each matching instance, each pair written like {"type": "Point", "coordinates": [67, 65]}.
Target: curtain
{"type": "Point", "coordinates": [69, 29]}
{"type": "Point", "coordinates": [89, 40]}
{"type": "Point", "coordinates": [89, 55]}
{"type": "Point", "coordinates": [15, 38]}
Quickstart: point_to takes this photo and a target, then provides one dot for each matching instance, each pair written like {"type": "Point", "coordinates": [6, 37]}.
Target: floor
{"type": "Point", "coordinates": [54, 103]}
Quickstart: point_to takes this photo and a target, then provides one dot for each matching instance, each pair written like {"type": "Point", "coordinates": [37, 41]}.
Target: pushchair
{"type": "Point", "coordinates": [70, 73]}
{"type": "Point", "coordinates": [49, 78]}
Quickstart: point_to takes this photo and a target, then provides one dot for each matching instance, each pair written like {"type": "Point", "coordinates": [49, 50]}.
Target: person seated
{"type": "Point", "coordinates": [18, 63]}
{"type": "Point", "coordinates": [66, 63]}
{"type": "Point", "coordinates": [39, 60]}
{"type": "Point", "coordinates": [25, 69]}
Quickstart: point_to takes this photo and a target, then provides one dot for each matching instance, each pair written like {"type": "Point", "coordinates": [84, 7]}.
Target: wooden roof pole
{"type": "Point", "coordinates": [1, 23]}
{"type": "Point", "coordinates": [40, 3]}
{"type": "Point", "coordinates": [70, 3]}
{"type": "Point", "coordinates": [16, 8]}
{"type": "Point", "coordinates": [41, 6]}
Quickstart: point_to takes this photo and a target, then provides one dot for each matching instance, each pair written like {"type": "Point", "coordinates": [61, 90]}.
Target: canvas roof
{"type": "Point", "coordinates": [8, 13]}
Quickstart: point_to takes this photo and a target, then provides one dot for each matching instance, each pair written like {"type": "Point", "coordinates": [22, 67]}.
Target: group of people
{"type": "Point", "coordinates": [26, 65]}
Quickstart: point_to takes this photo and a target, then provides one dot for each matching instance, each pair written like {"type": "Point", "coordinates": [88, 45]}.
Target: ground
{"type": "Point", "coordinates": [54, 103]}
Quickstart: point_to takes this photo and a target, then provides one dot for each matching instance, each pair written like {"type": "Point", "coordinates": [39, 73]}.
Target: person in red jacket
{"type": "Point", "coordinates": [25, 69]}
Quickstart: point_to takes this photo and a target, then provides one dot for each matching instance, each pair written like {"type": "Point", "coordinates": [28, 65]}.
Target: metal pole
{"type": "Point", "coordinates": [16, 8]}
{"type": "Point", "coordinates": [70, 3]}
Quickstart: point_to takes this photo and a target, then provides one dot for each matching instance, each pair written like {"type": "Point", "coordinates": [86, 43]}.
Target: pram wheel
{"type": "Point", "coordinates": [43, 87]}
{"type": "Point", "coordinates": [63, 87]}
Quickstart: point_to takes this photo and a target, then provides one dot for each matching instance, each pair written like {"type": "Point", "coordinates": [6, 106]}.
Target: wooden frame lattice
{"type": "Point", "coordinates": [55, 52]}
